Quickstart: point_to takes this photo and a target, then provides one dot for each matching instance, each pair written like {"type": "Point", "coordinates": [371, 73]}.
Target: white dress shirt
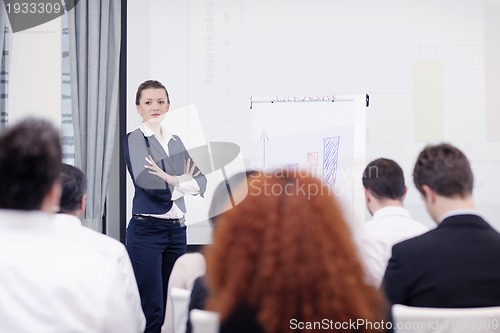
{"type": "Point", "coordinates": [187, 184]}
{"type": "Point", "coordinates": [50, 283]}
{"type": "Point", "coordinates": [112, 251]}
{"type": "Point", "coordinates": [390, 225]}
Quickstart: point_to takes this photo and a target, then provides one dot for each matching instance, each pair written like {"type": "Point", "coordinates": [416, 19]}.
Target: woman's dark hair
{"type": "Point", "coordinates": [149, 84]}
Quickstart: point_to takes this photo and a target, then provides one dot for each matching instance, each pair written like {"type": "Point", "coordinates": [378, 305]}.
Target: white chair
{"type": "Point", "coordinates": [408, 319]}
{"type": "Point", "coordinates": [180, 308]}
{"type": "Point", "coordinates": [204, 321]}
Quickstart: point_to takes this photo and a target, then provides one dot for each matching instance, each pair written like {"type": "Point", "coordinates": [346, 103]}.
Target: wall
{"type": "Point", "coordinates": [429, 66]}
{"type": "Point", "coordinates": [35, 73]}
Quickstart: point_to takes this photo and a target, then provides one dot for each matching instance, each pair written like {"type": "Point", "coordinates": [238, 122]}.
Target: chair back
{"type": "Point", "coordinates": [204, 321]}
{"type": "Point", "coordinates": [180, 308]}
{"type": "Point", "coordinates": [408, 319]}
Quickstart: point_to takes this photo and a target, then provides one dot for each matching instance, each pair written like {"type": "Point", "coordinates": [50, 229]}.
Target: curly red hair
{"type": "Point", "coordinates": [287, 252]}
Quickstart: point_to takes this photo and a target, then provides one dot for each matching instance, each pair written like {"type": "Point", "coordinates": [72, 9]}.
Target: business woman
{"type": "Point", "coordinates": [162, 173]}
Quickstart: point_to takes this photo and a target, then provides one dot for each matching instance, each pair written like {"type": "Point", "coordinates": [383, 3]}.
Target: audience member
{"type": "Point", "coordinates": [284, 260]}
{"type": "Point", "coordinates": [48, 283]}
{"type": "Point", "coordinates": [72, 207]}
{"type": "Point", "coordinates": [189, 269]}
{"type": "Point", "coordinates": [385, 192]}
{"type": "Point", "coordinates": [456, 264]}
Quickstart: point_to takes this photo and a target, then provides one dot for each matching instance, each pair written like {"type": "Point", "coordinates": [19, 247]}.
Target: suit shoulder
{"type": "Point", "coordinates": [137, 133]}
{"type": "Point", "coordinates": [134, 139]}
{"type": "Point", "coordinates": [423, 241]}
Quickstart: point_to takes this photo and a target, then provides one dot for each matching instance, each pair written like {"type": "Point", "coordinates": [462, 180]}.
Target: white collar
{"type": "Point", "coordinates": [67, 219]}
{"type": "Point", "coordinates": [24, 218]}
{"type": "Point", "coordinates": [458, 212]}
{"type": "Point", "coordinates": [166, 135]}
{"type": "Point", "coordinates": [391, 211]}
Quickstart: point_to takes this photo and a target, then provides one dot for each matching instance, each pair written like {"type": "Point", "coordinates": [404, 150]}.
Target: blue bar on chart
{"type": "Point", "coordinates": [330, 159]}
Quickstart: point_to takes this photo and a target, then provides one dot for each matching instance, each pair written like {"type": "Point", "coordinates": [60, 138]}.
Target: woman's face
{"type": "Point", "coordinates": [153, 105]}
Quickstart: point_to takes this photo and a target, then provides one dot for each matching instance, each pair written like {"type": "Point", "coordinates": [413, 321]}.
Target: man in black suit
{"type": "Point", "coordinates": [457, 264]}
